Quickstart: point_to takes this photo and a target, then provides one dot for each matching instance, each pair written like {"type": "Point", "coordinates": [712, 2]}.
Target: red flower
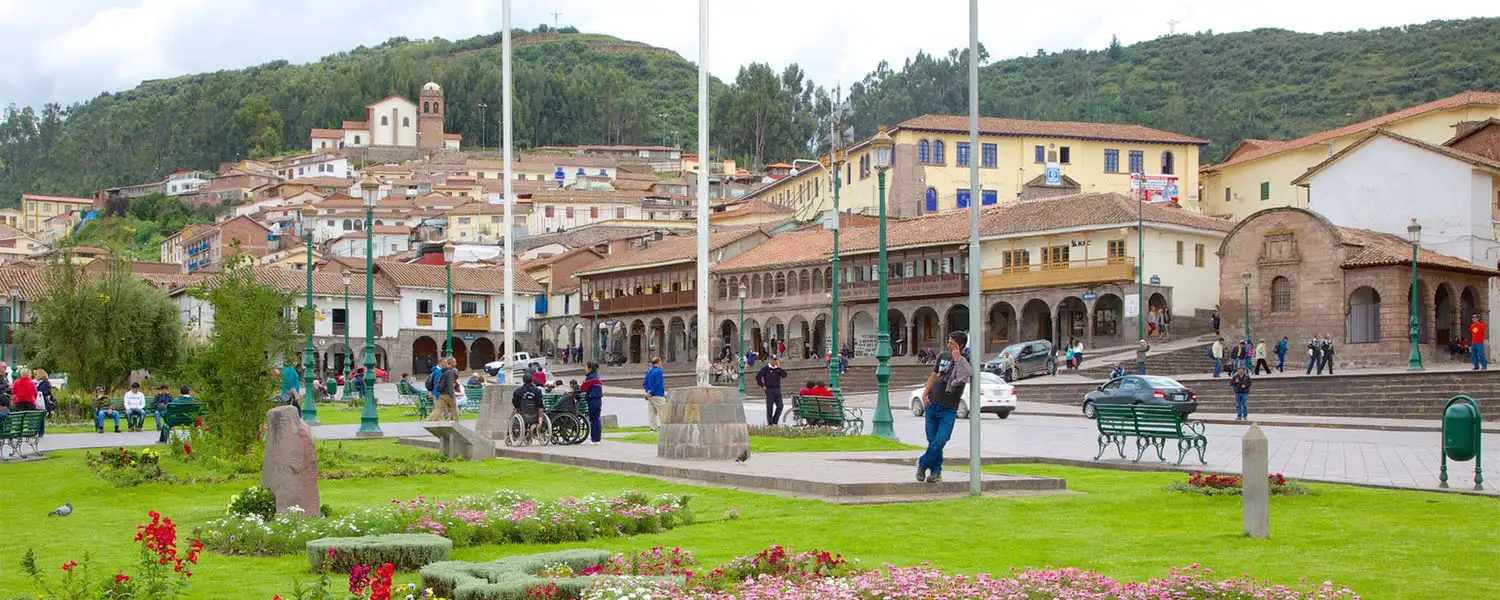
{"type": "Point", "coordinates": [68, 566]}
{"type": "Point", "coordinates": [380, 584]}
{"type": "Point", "coordinates": [121, 578]}
{"type": "Point", "coordinates": [187, 449]}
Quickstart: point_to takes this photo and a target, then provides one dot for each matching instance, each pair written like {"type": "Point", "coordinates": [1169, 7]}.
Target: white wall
{"type": "Point", "coordinates": [326, 306]}
{"type": "Point", "coordinates": [356, 138]}
{"type": "Point", "coordinates": [386, 244]}
{"type": "Point", "coordinates": [338, 167]}
{"type": "Point", "coordinates": [524, 305]}
{"type": "Point", "coordinates": [393, 133]}
{"type": "Point", "coordinates": [540, 223]}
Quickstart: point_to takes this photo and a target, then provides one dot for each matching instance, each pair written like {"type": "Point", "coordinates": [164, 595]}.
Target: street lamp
{"type": "Point", "coordinates": [881, 147]}
{"type": "Point", "coordinates": [833, 332]}
{"type": "Point", "coordinates": [1414, 363]}
{"type": "Point", "coordinates": [741, 293]}
{"type": "Point", "coordinates": [448, 252]}
{"type": "Point", "coordinates": [15, 321]}
{"type": "Point", "coordinates": [1140, 273]}
{"type": "Point", "coordinates": [369, 419]}
{"type": "Point", "coordinates": [597, 342]}
{"type": "Point", "coordinates": [348, 352]}
{"type": "Point", "coordinates": [309, 355]}
{"type": "Point", "coordinates": [1247, 277]}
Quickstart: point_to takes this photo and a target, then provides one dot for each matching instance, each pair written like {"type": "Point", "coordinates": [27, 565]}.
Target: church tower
{"type": "Point", "coordinates": [430, 117]}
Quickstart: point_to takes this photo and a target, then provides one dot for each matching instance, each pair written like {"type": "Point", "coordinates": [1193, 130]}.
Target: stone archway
{"type": "Point", "coordinates": [754, 336]}
{"type": "Point", "coordinates": [656, 339]}
{"type": "Point", "coordinates": [676, 339]}
{"type": "Point", "coordinates": [957, 319]}
{"type": "Point", "coordinates": [1444, 314]}
{"type": "Point", "coordinates": [1363, 325]}
{"type": "Point", "coordinates": [618, 342]}
{"type": "Point", "coordinates": [773, 335]}
{"type": "Point", "coordinates": [460, 353]}
{"type": "Point", "coordinates": [899, 332]}
{"type": "Point", "coordinates": [862, 333]}
{"type": "Point", "coordinates": [1072, 320]}
{"type": "Point", "coordinates": [799, 338]}
{"type": "Point", "coordinates": [1468, 306]}
{"type": "Point", "coordinates": [728, 338]}
{"type": "Point", "coordinates": [424, 354]}
{"type": "Point", "coordinates": [637, 343]}
{"type": "Point", "coordinates": [1109, 309]}
{"type": "Point", "coordinates": [1036, 321]}
{"type": "Point", "coordinates": [481, 352]}
{"type": "Point", "coordinates": [544, 340]}
{"type": "Point", "coordinates": [926, 330]}
{"type": "Point", "coordinates": [1424, 317]}
{"type": "Point", "coordinates": [820, 336]}
{"type": "Point", "coordinates": [1002, 327]}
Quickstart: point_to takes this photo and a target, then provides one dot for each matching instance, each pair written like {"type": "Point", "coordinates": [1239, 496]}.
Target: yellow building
{"type": "Point", "coordinates": [1258, 174]}
{"type": "Point", "coordinates": [36, 209]}
{"type": "Point", "coordinates": [930, 171]}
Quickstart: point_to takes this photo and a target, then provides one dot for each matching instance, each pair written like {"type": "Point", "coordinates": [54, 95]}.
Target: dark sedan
{"type": "Point", "coordinates": [1143, 389]}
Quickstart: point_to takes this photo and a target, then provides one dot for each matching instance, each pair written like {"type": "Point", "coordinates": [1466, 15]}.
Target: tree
{"type": "Point", "coordinates": [231, 373]}
{"type": "Point", "coordinates": [98, 325]}
{"type": "Point", "coordinates": [1116, 50]}
{"type": "Point", "coordinates": [260, 125]}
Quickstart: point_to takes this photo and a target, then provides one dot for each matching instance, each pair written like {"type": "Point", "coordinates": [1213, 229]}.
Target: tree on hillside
{"type": "Point", "coordinates": [260, 125]}
{"type": "Point", "coordinates": [1116, 49]}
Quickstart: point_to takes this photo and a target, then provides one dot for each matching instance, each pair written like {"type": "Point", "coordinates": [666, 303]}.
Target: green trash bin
{"type": "Point", "coordinates": [1463, 432]}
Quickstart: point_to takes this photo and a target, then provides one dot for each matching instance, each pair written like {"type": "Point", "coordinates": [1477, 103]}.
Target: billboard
{"type": "Point", "coordinates": [1155, 188]}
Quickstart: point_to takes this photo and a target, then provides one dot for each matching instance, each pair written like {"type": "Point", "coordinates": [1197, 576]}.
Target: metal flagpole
{"type": "Point", "coordinates": [976, 200]}
{"type": "Point", "coordinates": [703, 157]}
{"type": "Point", "coordinates": [509, 353]}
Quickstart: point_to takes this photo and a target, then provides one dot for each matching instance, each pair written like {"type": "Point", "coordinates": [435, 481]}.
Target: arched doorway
{"type": "Point", "coordinates": [656, 339]}
{"type": "Point", "coordinates": [925, 330]}
{"type": "Point", "coordinates": [1108, 310]}
{"type": "Point", "coordinates": [753, 336]}
{"type": "Point", "coordinates": [460, 354]}
{"type": "Point", "coordinates": [1001, 327]}
{"type": "Point", "coordinates": [1443, 315]}
{"type": "Point", "coordinates": [339, 356]}
{"type": "Point", "coordinates": [862, 333]}
{"type": "Point", "coordinates": [615, 345]}
{"type": "Point", "coordinates": [728, 339]}
{"type": "Point", "coordinates": [676, 339]}
{"type": "Point", "coordinates": [820, 336]}
{"type": "Point", "coordinates": [775, 334]}
{"type": "Point", "coordinates": [1036, 321]}
{"type": "Point", "coordinates": [380, 358]}
{"type": "Point", "coordinates": [424, 354]}
{"type": "Point", "coordinates": [957, 319]}
{"type": "Point", "coordinates": [899, 332]}
{"type": "Point", "coordinates": [1072, 320]}
{"type": "Point", "coordinates": [1363, 326]}
{"type": "Point", "coordinates": [544, 341]}
{"type": "Point", "coordinates": [637, 341]}
{"type": "Point", "coordinates": [481, 352]}
{"type": "Point", "coordinates": [1468, 306]}
{"type": "Point", "coordinates": [578, 338]}
{"type": "Point", "coordinates": [1424, 318]}
{"type": "Point", "coordinates": [798, 338]}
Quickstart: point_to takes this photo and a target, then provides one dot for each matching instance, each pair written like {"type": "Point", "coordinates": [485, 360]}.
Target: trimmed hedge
{"type": "Point", "coordinates": [405, 551]}
{"type": "Point", "coordinates": [509, 578]}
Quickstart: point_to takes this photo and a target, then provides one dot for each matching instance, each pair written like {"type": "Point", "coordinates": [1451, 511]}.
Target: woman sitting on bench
{"type": "Point", "coordinates": [816, 389]}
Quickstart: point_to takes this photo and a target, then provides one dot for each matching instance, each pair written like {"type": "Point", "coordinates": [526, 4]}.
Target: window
{"type": "Point", "coordinates": [1198, 255]}
{"type": "Point", "coordinates": [406, 121]}
{"type": "Point", "coordinates": [620, 212]}
{"type": "Point", "coordinates": [1015, 258]}
{"type": "Point", "coordinates": [1179, 251]}
{"type": "Point", "coordinates": [332, 223]}
{"type": "Point", "coordinates": [1040, 154]}
{"type": "Point", "coordinates": [348, 225]}
{"type": "Point", "coordinates": [495, 219]}
{"type": "Point", "coordinates": [593, 212]}
{"type": "Point", "coordinates": [356, 140]}
{"type": "Point", "coordinates": [1055, 255]}
{"type": "Point", "coordinates": [426, 107]}
{"type": "Point", "coordinates": [1265, 191]}
{"type": "Point", "coordinates": [1281, 295]}
{"type": "Point", "coordinates": [424, 307]}
{"type": "Point", "coordinates": [384, 120]}
{"type": "Point", "coordinates": [1065, 155]}
{"type": "Point", "coordinates": [937, 153]}
{"type": "Point", "coordinates": [962, 151]}
{"type": "Point", "coordinates": [1111, 161]}
{"type": "Point", "coordinates": [359, 225]}
{"type": "Point", "coordinates": [468, 307]}
{"type": "Point", "coordinates": [1116, 250]}
{"type": "Point", "coordinates": [547, 211]}
{"type": "Point", "coordinates": [962, 198]}
{"type": "Point", "coordinates": [988, 197]}
{"type": "Point", "coordinates": [1137, 161]}
{"type": "Point", "coordinates": [931, 200]}
{"type": "Point", "coordinates": [568, 212]}
{"type": "Point", "coordinates": [1226, 195]}
{"type": "Point", "coordinates": [340, 321]}
{"type": "Point", "coordinates": [924, 151]}
{"type": "Point", "coordinates": [1167, 160]}
{"type": "Point", "coordinates": [603, 173]}
{"type": "Point", "coordinates": [989, 155]}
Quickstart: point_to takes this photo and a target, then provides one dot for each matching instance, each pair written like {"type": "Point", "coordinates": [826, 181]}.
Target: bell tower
{"type": "Point", "coordinates": [430, 117]}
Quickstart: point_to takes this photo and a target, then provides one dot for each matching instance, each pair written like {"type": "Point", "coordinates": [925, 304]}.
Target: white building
{"type": "Point", "coordinates": [390, 240]}
{"type": "Point", "coordinates": [325, 163]}
{"type": "Point", "coordinates": [478, 324]}
{"type": "Point", "coordinates": [393, 121]}
{"type": "Point", "coordinates": [564, 209]}
{"type": "Point", "coordinates": [186, 181]}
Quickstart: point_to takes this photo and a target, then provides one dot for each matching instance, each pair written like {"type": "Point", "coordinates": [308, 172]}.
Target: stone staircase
{"type": "Point", "coordinates": [1382, 395]}
{"type": "Point", "coordinates": [1192, 359]}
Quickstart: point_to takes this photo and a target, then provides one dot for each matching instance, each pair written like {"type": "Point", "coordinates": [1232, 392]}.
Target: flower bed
{"type": "Point", "coordinates": [788, 431]}
{"type": "Point", "coordinates": [125, 467]}
{"type": "Point", "coordinates": [1213, 484]}
{"type": "Point", "coordinates": [503, 517]}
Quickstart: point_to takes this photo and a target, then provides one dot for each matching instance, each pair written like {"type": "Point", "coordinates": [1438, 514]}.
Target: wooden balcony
{"type": "Point", "coordinates": [471, 323]}
{"type": "Point", "coordinates": [909, 287]}
{"type": "Point", "coordinates": [424, 319]}
{"type": "Point", "coordinates": [642, 303]}
{"type": "Point", "coordinates": [1077, 272]}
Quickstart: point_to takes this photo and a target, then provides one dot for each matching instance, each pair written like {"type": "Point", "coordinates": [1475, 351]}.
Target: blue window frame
{"type": "Point", "coordinates": [1111, 161]}
{"type": "Point", "coordinates": [924, 151]}
{"type": "Point", "coordinates": [1137, 161]}
{"type": "Point", "coordinates": [1040, 154]}
{"type": "Point", "coordinates": [962, 152]}
{"type": "Point", "coordinates": [603, 173]}
{"type": "Point", "coordinates": [988, 197]}
{"type": "Point", "coordinates": [931, 200]}
{"type": "Point", "coordinates": [581, 173]}
{"type": "Point", "coordinates": [990, 155]}
{"type": "Point", "coordinates": [937, 153]}
{"type": "Point", "coordinates": [963, 198]}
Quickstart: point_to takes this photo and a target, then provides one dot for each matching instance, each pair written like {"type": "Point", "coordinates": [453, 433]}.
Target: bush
{"type": "Point", "coordinates": [404, 551]}
{"type": "Point", "coordinates": [126, 467]}
{"type": "Point", "coordinates": [515, 577]}
{"type": "Point", "coordinates": [1213, 484]}
{"type": "Point", "coordinates": [789, 431]}
{"type": "Point", "coordinates": [255, 501]}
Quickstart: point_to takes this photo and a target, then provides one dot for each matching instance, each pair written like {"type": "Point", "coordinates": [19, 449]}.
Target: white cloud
{"type": "Point", "coordinates": [70, 50]}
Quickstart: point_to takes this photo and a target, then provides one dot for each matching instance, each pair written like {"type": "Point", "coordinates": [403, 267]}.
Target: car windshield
{"type": "Point", "coordinates": [1161, 382]}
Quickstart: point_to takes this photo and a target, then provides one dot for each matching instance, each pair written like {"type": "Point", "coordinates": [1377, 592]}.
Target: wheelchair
{"type": "Point", "coordinates": [525, 431]}
{"type": "Point", "coordinates": [568, 425]}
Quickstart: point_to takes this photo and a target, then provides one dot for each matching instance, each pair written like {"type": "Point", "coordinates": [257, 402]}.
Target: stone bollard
{"type": "Point", "coordinates": [703, 423]}
{"type": "Point", "coordinates": [495, 411]}
{"type": "Point", "coordinates": [1256, 485]}
{"type": "Point", "coordinates": [290, 469]}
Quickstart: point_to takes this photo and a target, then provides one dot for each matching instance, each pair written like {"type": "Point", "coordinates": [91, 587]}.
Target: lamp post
{"type": "Point", "coordinates": [597, 341]}
{"type": "Point", "coordinates": [1414, 363]}
{"type": "Point", "coordinates": [1140, 272]}
{"type": "Point", "coordinates": [1247, 277]}
{"type": "Point", "coordinates": [309, 355]}
{"type": "Point", "coordinates": [369, 419]}
{"type": "Point", "coordinates": [880, 147]}
{"type": "Point", "coordinates": [348, 352]}
{"type": "Point", "coordinates": [448, 251]}
{"type": "Point", "coordinates": [833, 322]}
{"type": "Point", "coordinates": [741, 329]}
{"type": "Point", "coordinates": [15, 320]}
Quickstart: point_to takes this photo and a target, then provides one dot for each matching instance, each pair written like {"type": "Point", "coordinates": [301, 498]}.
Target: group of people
{"type": "Point", "coordinates": [1252, 356]}
{"type": "Point", "coordinates": [30, 391]}
{"type": "Point", "coordinates": [1159, 321]}
{"type": "Point", "coordinates": [527, 398]}
{"type": "Point", "coordinates": [1073, 354]}
{"type": "Point", "coordinates": [570, 354]}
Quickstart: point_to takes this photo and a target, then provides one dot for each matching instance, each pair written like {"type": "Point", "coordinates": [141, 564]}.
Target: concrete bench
{"type": "Point", "coordinates": [459, 441]}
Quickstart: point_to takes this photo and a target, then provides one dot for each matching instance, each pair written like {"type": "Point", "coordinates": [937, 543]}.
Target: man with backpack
{"type": "Point", "coordinates": [1325, 354]}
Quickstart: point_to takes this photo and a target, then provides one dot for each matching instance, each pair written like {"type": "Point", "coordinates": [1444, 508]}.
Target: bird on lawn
{"type": "Point", "coordinates": [62, 511]}
{"type": "Point", "coordinates": [744, 456]}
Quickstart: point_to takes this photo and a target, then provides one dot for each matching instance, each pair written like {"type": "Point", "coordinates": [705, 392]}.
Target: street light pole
{"type": "Point", "coordinates": [1247, 304]}
{"type": "Point", "coordinates": [597, 341]}
{"type": "Point", "coordinates": [1414, 362]}
{"type": "Point", "coordinates": [881, 146]}
{"type": "Point", "coordinates": [448, 252]}
{"type": "Point", "coordinates": [348, 352]}
{"type": "Point", "coordinates": [13, 322]}
{"type": "Point", "coordinates": [369, 418]}
{"type": "Point", "coordinates": [1140, 272]}
{"type": "Point", "coordinates": [833, 324]}
{"type": "Point", "coordinates": [741, 330]}
{"type": "Point", "coordinates": [309, 359]}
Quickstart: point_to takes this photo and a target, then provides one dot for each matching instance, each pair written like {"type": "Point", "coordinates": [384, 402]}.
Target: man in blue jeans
{"type": "Point", "coordinates": [941, 396]}
{"type": "Point", "coordinates": [1240, 383]}
{"type": "Point", "coordinates": [593, 391]}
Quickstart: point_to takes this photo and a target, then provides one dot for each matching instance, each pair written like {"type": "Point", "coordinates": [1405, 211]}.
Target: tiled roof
{"type": "Point", "coordinates": [672, 249]}
{"type": "Point", "coordinates": [325, 283]}
{"type": "Point", "coordinates": [1376, 249]}
{"type": "Point", "coordinates": [453, 136]}
{"type": "Point", "coordinates": [1454, 101]}
{"type": "Point", "coordinates": [7, 232]}
{"type": "Point", "coordinates": [589, 235]}
{"type": "Point", "coordinates": [793, 248]}
{"type": "Point", "coordinates": [1453, 153]}
{"type": "Point", "coordinates": [326, 133]}
{"type": "Point", "coordinates": [356, 125]}
{"type": "Point", "coordinates": [31, 280]}
{"type": "Point", "coordinates": [1468, 128]}
{"type": "Point", "coordinates": [1065, 129]}
{"type": "Point", "coordinates": [758, 206]}
{"type": "Point", "coordinates": [25, 197]}
{"type": "Point", "coordinates": [589, 196]}
{"type": "Point", "coordinates": [467, 279]}
{"type": "Point", "coordinates": [339, 182]}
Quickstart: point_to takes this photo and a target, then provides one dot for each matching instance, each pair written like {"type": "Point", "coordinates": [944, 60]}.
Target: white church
{"type": "Point", "coordinates": [394, 122]}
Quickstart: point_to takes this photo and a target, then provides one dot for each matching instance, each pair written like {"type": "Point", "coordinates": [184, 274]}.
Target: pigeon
{"type": "Point", "coordinates": [62, 511]}
{"type": "Point", "coordinates": [744, 456]}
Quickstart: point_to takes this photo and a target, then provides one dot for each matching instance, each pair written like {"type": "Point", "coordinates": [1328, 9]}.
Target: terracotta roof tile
{"type": "Point", "coordinates": [467, 279]}
{"type": "Point", "coordinates": [758, 206]}
{"type": "Point", "coordinates": [326, 133]}
{"type": "Point", "coordinates": [672, 249]}
{"type": "Point", "coordinates": [793, 248]}
{"type": "Point", "coordinates": [1066, 129]}
{"type": "Point", "coordinates": [1376, 249]}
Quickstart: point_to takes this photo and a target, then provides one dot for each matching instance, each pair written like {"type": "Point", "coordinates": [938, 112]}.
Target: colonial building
{"type": "Point", "coordinates": [393, 122]}
{"type": "Point", "coordinates": [478, 321]}
{"type": "Point", "coordinates": [187, 181]}
{"type": "Point", "coordinates": [1306, 276]}
{"type": "Point", "coordinates": [1260, 174]}
{"type": "Point", "coordinates": [321, 163]}
{"type": "Point", "coordinates": [16, 245]}
{"type": "Point", "coordinates": [36, 209]}
{"type": "Point", "coordinates": [204, 247]}
{"type": "Point", "coordinates": [558, 324]}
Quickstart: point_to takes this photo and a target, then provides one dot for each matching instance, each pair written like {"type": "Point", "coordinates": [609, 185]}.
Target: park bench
{"type": "Point", "coordinates": [826, 411]}
{"type": "Point", "coordinates": [473, 396]}
{"type": "Point", "coordinates": [410, 394]}
{"type": "Point", "coordinates": [118, 405]}
{"type": "Point", "coordinates": [178, 414]}
{"type": "Point", "coordinates": [1151, 426]}
{"type": "Point", "coordinates": [20, 429]}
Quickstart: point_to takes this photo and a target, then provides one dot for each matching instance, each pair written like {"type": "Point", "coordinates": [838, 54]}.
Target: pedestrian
{"type": "Point", "coordinates": [781, 348]}
{"type": "Point", "coordinates": [769, 379]}
{"type": "Point", "coordinates": [1151, 320]}
{"type": "Point", "coordinates": [1140, 355]}
{"type": "Point", "coordinates": [1260, 358]}
{"type": "Point", "coordinates": [1327, 354]}
{"type": "Point", "coordinates": [656, 394]}
{"type": "Point", "coordinates": [1477, 353]}
{"type": "Point", "coordinates": [593, 391]}
{"type": "Point", "coordinates": [1117, 372]}
{"type": "Point", "coordinates": [291, 384]}
{"type": "Point", "coordinates": [1216, 352]}
{"type": "Point", "coordinates": [1240, 383]}
{"type": "Point", "coordinates": [447, 383]}
{"type": "Point", "coordinates": [23, 394]}
{"type": "Point", "coordinates": [1281, 348]}
{"type": "Point", "coordinates": [843, 365]}
{"type": "Point", "coordinates": [1068, 355]}
{"type": "Point", "coordinates": [1249, 354]}
{"type": "Point", "coordinates": [45, 399]}
{"type": "Point", "coordinates": [1165, 326]}
{"type": "Point", "coordinates": [135, 408]}
{"type": "Point", "coordinates": [1237, 356]}
{"type": "Point", "coordinates": [942, 395]}
{"type": "Point", "coordinates": [1078, 355]}
{"type": "Point", "coordinates": [1215, 320]}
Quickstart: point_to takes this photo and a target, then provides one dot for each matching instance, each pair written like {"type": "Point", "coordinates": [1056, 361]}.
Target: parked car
{"type": "Point", "coordinates": [1022, 360]}
{"type": "Point", "coordinates": [1143, 389]}
{"type": "Point", "coordinates": [523, 361]}
{"type": "Point", "coordinates": [995, 396]}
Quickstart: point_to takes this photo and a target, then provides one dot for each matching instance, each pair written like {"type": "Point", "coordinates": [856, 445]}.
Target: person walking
{"type": "Point", "coordinates": [446, 408]}
{"type": "Point", "coordinates": [1240, 383]}
{"type": "Point", "coordinates": [1237, 356]}
{"type": "Point", "coordinates": [656, 394]}
{"type": "Point", "coordinates": [1165, 326]}
{"type": "Point", "coordinates": [1216, 352]}
{"type": "Point", "coordinates": [1216, 320]}
{"type": "Point", "coordinates": [1078, 355]}
{"type": "Point", "coordinates": [1326, 354]}
{"type": "Point", "coordinates": [1140, 355]}
{"type": "Point", "coordinates": [1477, 355]}
{"type": "Point", "coordinates": [1281, 348]}
{"type": "Point", "coordinates": [769, 379]}
{"type": "Point", "coordinates": [593, 391]}
{"type": "Point", "coordinates": [1314, 353]}
{"type": "Point", "coordinates": [1068, 355]}
{"type": "Point", "coordinates": [941, 396]}
{"type": "Point", "coordinates": [1260, 358]}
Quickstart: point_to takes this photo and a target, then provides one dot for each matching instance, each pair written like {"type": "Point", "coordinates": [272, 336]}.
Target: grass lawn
{"type": "Point", "coordinates": [1384, 544]}
{"type": "Point", "coordinates": [857, 443]}
{"type": "Point", "coordinates": [328, 414]}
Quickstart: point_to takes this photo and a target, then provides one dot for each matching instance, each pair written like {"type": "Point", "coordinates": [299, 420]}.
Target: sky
{"type": "Point", "coordinates": [72, 50]}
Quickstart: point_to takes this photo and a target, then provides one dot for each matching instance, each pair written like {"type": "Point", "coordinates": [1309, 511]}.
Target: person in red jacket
{"type": "Point", "coordinates": [1476, 344]}
{"type": "Point", "coordinates": [23, 392]}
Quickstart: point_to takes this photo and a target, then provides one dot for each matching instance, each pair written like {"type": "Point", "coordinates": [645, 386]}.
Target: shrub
{"type": "Point", "coordinates": [515, 578]}
{"type": "Point", "coordinates": [404, 551]}
{"type": "Point", "coordinates": [789, 431]}
{"type": "Point", "coordinates": [126, 468]}
{"type": "Point", "coordinates": [255, 501]}
{"type": "Point", "coordinates": [1213, 484]}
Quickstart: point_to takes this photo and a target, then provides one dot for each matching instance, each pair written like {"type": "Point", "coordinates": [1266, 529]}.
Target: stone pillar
{"type": "Point", "coordinates": [1088, 325]}
{"type": "Point", "coordinates": [1254, 462]}
{"type": "Point", "coordinates": [290, 468]}
{"type": "Point", "coordinates": [703, 423]}
{"type": "Point", "coordinates": [495, 411]}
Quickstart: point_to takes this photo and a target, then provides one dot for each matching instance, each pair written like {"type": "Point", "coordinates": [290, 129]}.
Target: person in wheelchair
{"type": "Point", "coordinates": [527, 400]}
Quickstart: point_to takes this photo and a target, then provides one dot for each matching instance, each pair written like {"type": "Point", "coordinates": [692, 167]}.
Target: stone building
{"type": "Point", "coordinates": [1305, 276]}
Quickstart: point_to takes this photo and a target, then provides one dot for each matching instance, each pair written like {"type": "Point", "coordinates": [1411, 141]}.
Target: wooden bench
{"type": "Point", "coordinates": [473, 396]}
{"type": "Point", "coordinates": [826, 411]}
{"type": "Point", "coordinates": [178, 414]}
{"type": "Point", "coordinates": [20, 429]}
{"type": "Point", "coordinates": [1151, 426]}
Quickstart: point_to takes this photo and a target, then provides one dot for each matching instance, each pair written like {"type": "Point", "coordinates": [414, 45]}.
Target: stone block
{"type": "Point", "coordinates": [290, 469]}
{"type": "Point", "coordinates": [457, 441]}
{"type": "Point", "coordinates": [495, 411]}
{"type": "Point", "coordinates": [1256, 486]}
{"type": "Point", "coordinates": [703, 423]}
{"type": "Point", "coordinates": [610, 421]}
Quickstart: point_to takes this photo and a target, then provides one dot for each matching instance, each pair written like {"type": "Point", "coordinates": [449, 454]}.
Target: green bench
{"type": "Point", "coordinates": [178, 414]}
{"type": "Point", "coordinates": [826, 411]}
{"type": "Point", "coordinates": [473, 396]}
{"type": "Point", "coordinates": [1151, 426]}
{"type": "Point", "coordinates": [569, 425]}
{"type": "Point", "coordinates": [118, 405]}
{"type": "Point", "coordinates": [421, 399]}
{"type": "Point", "coordinates": [20, 429]}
